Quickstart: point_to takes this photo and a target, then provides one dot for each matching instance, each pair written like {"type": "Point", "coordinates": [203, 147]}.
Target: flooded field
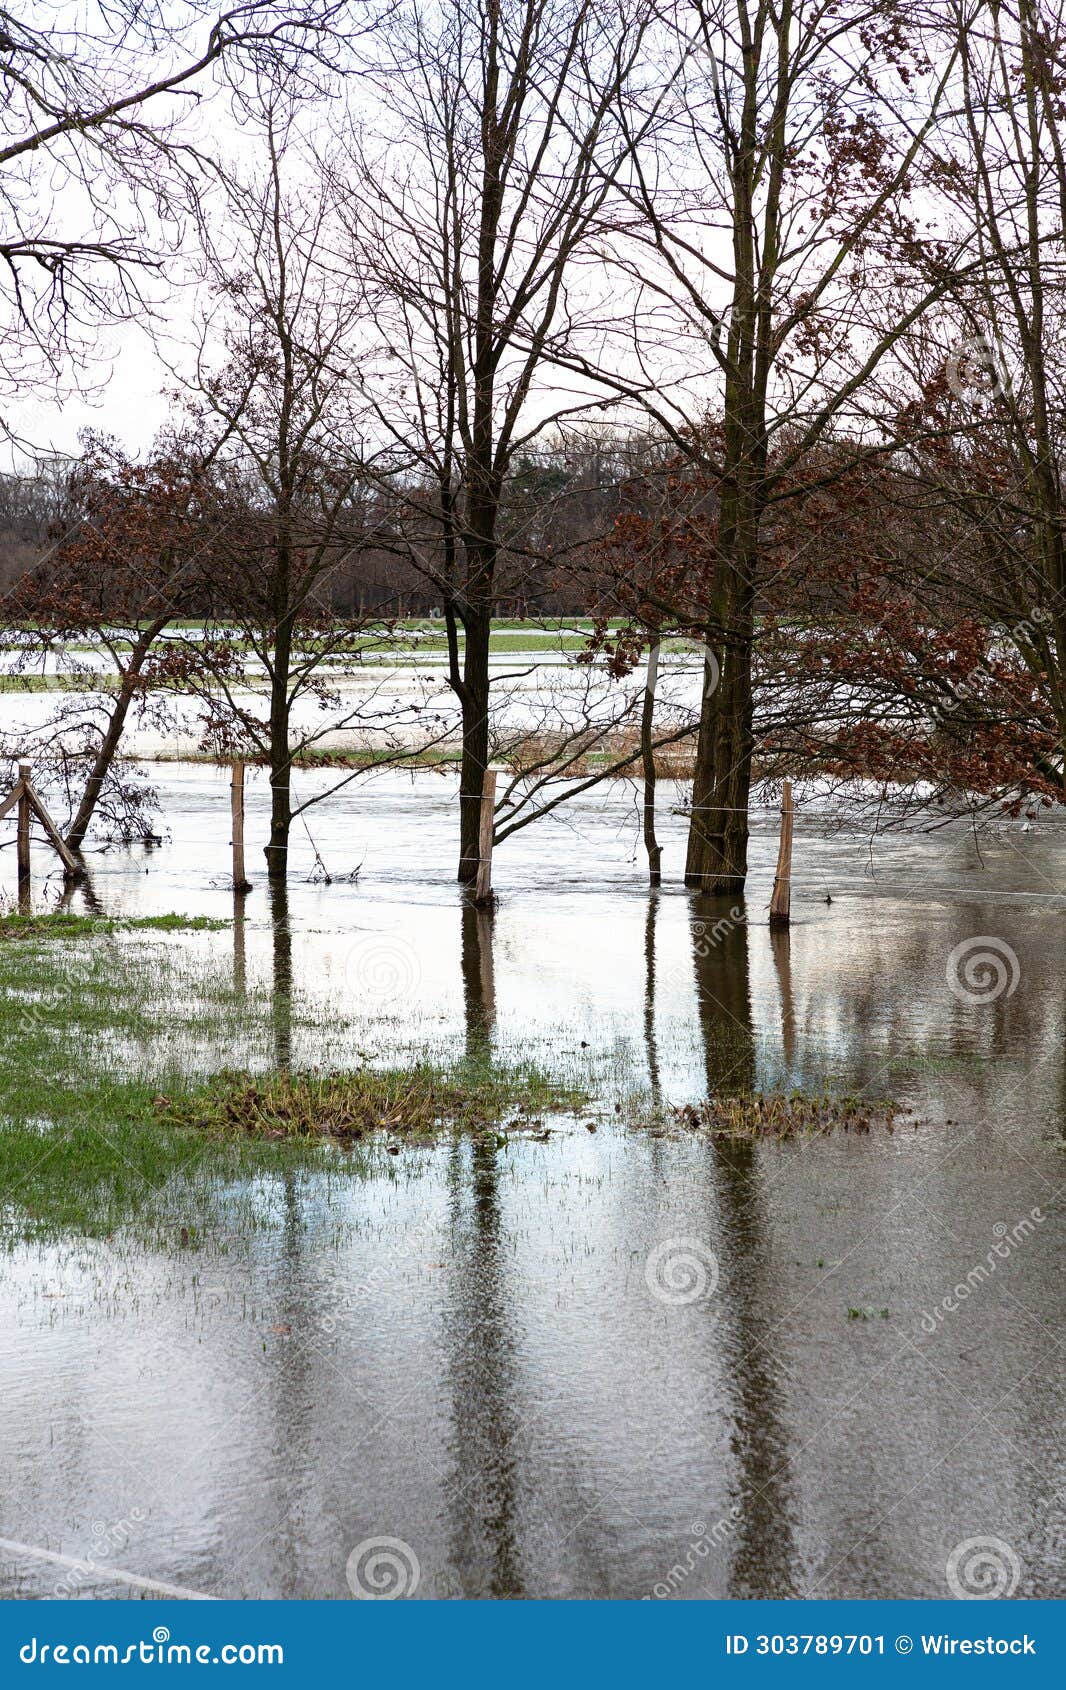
{"type": "Point", "coordinates": [634, 1361]}
{"type": "Point", "coordinates": [396, 692]}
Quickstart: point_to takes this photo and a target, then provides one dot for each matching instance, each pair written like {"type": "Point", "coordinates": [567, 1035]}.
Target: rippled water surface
{"type": "Point", "coordinates": [612, 1363]}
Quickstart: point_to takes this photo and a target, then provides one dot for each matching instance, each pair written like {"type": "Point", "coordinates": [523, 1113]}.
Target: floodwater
{"type": "Point", "coordinates": [610, 1364]}
{"type": "Point", "coordinates": [385, 701]}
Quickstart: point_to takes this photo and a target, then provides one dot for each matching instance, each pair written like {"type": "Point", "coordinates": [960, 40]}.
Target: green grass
{"type": "Point", "coordinates": [117, 1117]}
{"type": "Point", "coordinates": [57, 683]}
{"type": "Point", "coordinates": [411, 640]}
{"type": "Point", "coordinates": [63, 924]}
{"type": "Point", "coordinates": [101, 1162]}
{"type": "Point", "coordinates": [336, 757]}
{"type": "Point", "coordinates": [89, 1034]}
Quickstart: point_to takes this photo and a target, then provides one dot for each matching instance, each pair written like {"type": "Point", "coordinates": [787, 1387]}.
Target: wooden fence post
{"type": "Point", "coordinates": [22, 845]}
{"type": "Point", "coordinates": [483, 889]}
{"type": "Point", "coordinates": [30, 804]}
{"type": "Point", "coordinates": [781, 897]}
{"type": "Point", "coordinates": [241, 883]}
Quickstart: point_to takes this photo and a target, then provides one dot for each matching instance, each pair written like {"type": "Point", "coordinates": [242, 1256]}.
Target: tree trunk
{"type": "Point", "coordinates": [105, 756]}
{"type": "Point", "coordinates": [647, 724]}
{"type": "Point", "coordinates": [717, 860]}
{"type": "Point", "coordinates": [478, 626]}
{"type": "Point", "coordinates": [277, 850]}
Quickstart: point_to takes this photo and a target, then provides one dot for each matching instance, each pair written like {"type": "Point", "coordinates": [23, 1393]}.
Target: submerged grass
{"type": "Point", "coordinates": [103, 1163]}
{"type": "Point", "coordinates": [116, 1118]}
{"type": "Point", "coordinates": [88, 1034]}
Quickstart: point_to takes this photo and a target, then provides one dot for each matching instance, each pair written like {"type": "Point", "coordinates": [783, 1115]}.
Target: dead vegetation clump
{"type": "Point", "coordinates": [781, 1115]}
{"type": "Point", "coordinates": [413, 1104]}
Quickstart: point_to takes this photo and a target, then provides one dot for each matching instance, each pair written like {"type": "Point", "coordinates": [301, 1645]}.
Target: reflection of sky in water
{"type": "Point", "coordinates": [463, 1352]}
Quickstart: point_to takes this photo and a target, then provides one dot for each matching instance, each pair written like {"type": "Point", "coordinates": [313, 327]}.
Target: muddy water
{"type": "Point", "coordinates": [608, 1364]}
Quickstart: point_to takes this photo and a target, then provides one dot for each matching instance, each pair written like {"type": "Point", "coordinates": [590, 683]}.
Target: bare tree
{"type": "Point", "coordinates": [778, 237]}
{"type": "Point", "coordinates": [94, 166]}
{"type": "Point", "coordinates": [960, 631]}
{"type": "Point", "coordinates": [277, 407]}
{"type": "Point", "coordinates": [1000, 394]}
{"type": "Point", "coordinates": [476, 211]}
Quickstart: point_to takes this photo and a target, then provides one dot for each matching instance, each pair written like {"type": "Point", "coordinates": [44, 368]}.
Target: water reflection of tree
{"type": "Point", "coordinates": [479, 1335]}
{"type": "Point", "coordinates": [83, 889]}
{"type": "Point", "coordinates": [297, 1390]}
{"type": "Point", "coordinates": [479, 981]}
{"type": "Point", "coordinates": [763, 1560]}
{"type": "Point", "coordinates": [479, 1344]}
{"type": "Point", "coordinates": [281, 997]}
{"type": "Point", "coordinates": [240, 967]}
{"type": "Point", "coordinates": [781, 947]}
{"type": "Point", "coordinates": [650, 1042]}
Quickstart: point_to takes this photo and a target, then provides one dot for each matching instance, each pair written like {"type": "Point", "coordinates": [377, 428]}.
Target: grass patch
{"type": "Point", "coordinates": [781, 1115]}
{"type": "Point", "coordinates": [56, 683]}
{"type": "Point", "coordinates": [413, 1104]}
{"type": "Point", "coordinates": [369, 757]}
{"type": "Point", "coordinates": [61, 924]}
{"type": "Point", "coordinates": [85, 1048]}
{"type": "Point", "coordinates": [115, 1118]}
{"type": "Point", "coordinates": [103, 1163]}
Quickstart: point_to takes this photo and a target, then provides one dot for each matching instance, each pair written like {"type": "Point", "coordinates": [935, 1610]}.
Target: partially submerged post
{"type": "Point", "coordinates": [647, 753]}
{"type": "Point", "coordinates": [25, 796]}
{"type": "Point", "coordinates": [22, 846]}
{"type": "Point", "coordinates": [487, 822]}
{"type": "Point", "coordinates": [241, 883]}
{"type": "Point", "coordinates": [781, 897]}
